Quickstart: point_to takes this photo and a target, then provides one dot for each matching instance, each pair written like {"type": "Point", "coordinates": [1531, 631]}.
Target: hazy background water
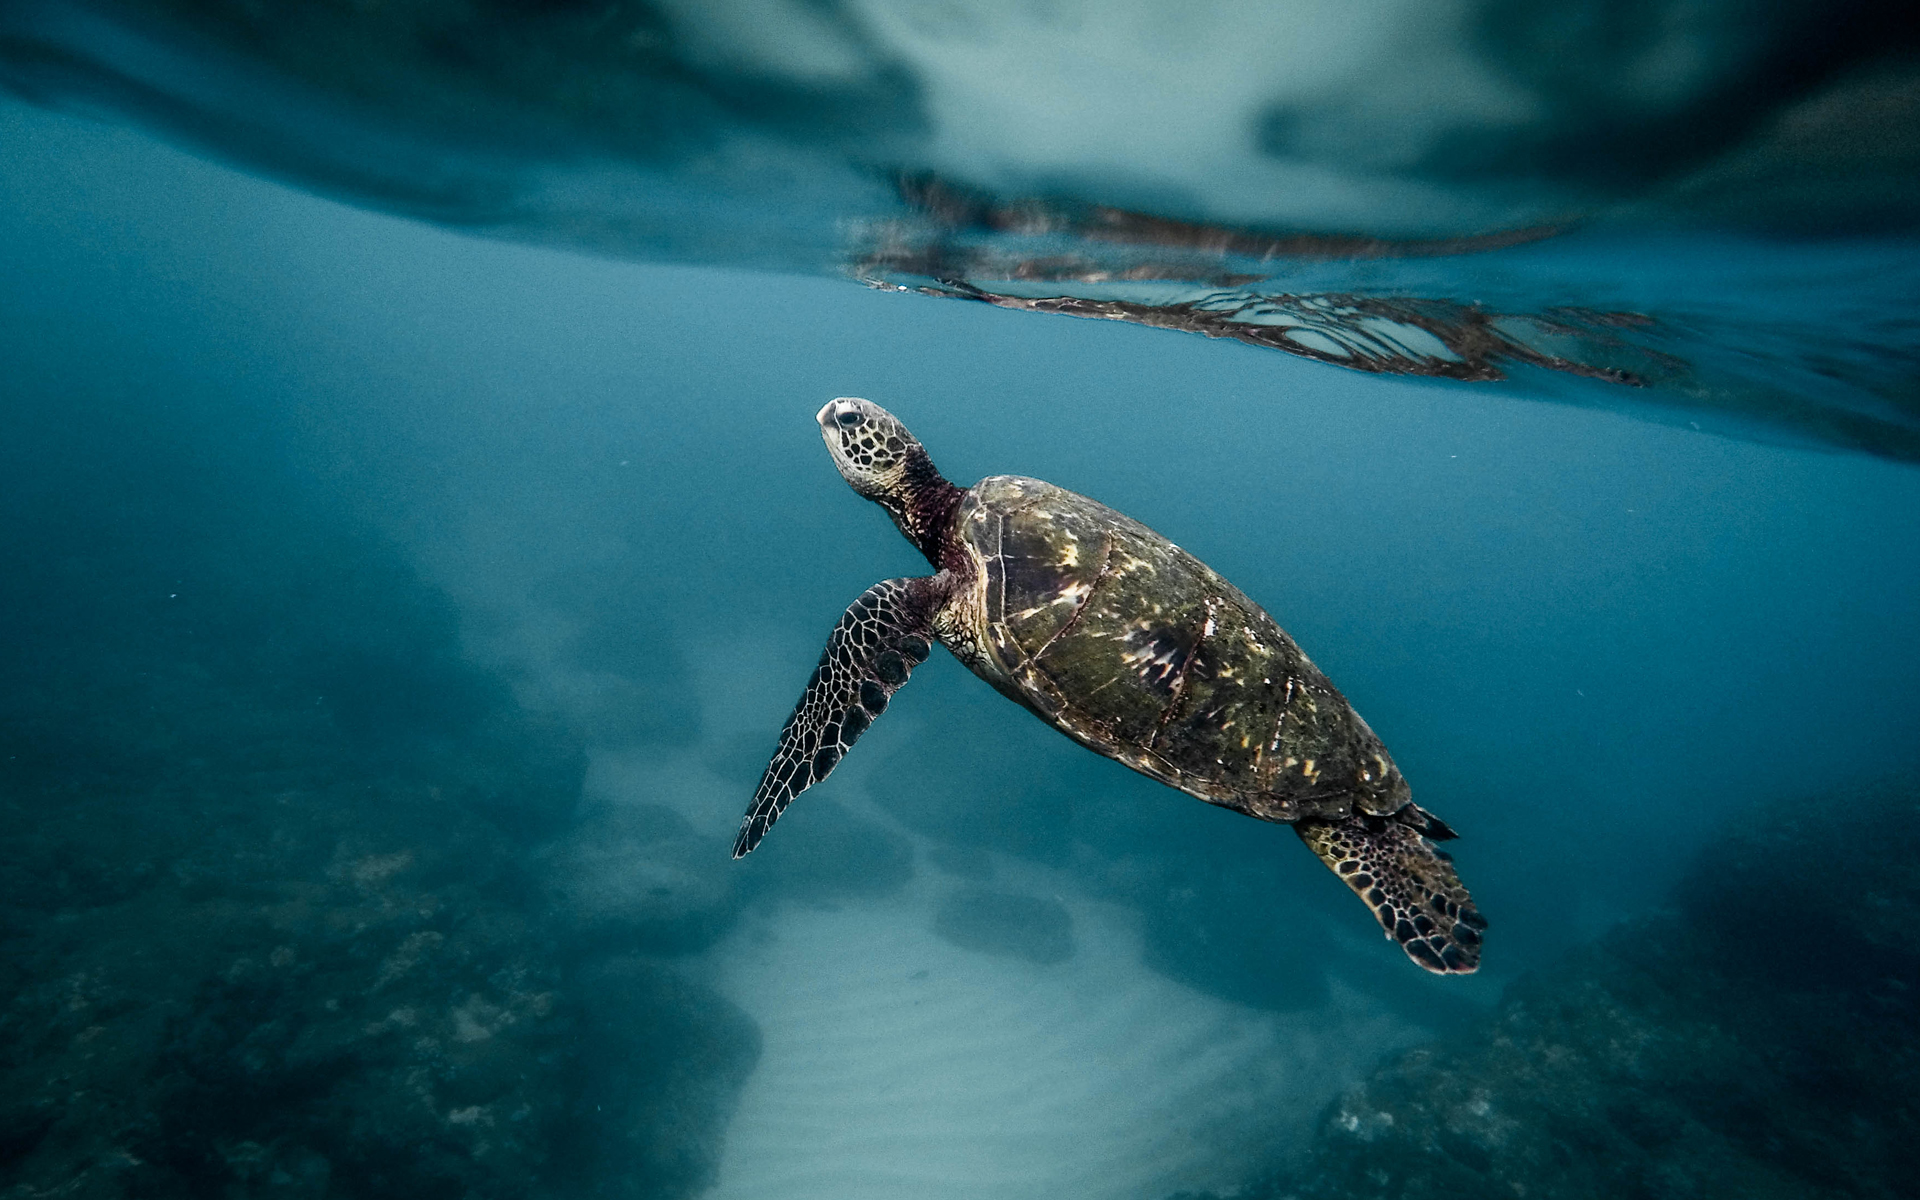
{"type": "Point", "coordinates": [1591, 642]}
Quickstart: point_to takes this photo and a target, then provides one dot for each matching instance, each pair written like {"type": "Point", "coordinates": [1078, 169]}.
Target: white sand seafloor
{"type": "Point", "coordinates": [897, 1064]}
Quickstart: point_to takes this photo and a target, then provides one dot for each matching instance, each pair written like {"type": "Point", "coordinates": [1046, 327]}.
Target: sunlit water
{"type": "Point", "coordinates": [1592, 642]}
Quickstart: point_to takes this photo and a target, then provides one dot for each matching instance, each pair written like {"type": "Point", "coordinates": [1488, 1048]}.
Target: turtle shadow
{"type": "Point", "coordinates": [1037, 929]}
{"type": "Point", "coordinates": [831, 855]}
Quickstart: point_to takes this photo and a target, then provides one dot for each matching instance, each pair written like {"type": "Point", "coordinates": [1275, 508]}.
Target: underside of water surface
{"type": "Point", "coordinates": [415, 530]}
{"type": "Point", "coordinates": [1622, 193]}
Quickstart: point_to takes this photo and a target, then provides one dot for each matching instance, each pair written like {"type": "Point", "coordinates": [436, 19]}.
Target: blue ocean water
{"type": "Point", "coordinates": [402, 614]}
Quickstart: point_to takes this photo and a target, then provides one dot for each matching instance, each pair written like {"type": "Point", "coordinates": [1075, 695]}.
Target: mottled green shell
{"type": "Point", "coordinates": [1137, 649]}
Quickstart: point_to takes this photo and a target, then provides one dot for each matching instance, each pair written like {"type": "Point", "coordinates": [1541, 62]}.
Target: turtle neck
{"type": "Point", "coordinates": [922, 505]}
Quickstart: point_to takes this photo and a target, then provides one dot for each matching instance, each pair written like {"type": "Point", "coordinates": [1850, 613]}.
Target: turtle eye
{"type": "Point", "coordinates": [850, 418]}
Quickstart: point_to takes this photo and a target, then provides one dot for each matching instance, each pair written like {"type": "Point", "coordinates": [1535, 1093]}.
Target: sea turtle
{"type": "Point", "coordinates": [1133, 648]}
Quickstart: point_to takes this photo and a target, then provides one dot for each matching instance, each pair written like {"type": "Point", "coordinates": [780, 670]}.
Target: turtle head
{"type": "Point", "coordinates": [874, 452]}
{"type": "Point", "coordinates": [883, 462]}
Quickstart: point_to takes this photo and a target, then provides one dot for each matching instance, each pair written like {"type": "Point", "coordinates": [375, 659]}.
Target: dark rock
{"type": "Point", "coordinates": [1007, 924]}
{"type": "Point", "coordinates": [654, 1104]}
{"type": "Point", "coordinates": [1221, 934]}
{"type": "Point", "coordinates": [1759, 1041]}
{"type": "Point", "coordinates": [445, 1068]}
{"type": "Point", "coordinates": [273, 921]}
{"type": "Point", "coordinates": [23, 1124]}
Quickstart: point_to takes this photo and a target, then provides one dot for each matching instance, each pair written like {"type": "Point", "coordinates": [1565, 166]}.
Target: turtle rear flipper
{"type": "Point", "coordinates": [1410, 885]}
{"type": "Point", "coordinates": [877, 643]}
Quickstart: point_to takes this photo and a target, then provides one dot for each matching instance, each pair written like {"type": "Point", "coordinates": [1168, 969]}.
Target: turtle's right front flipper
{"type": "Point", "coordinates": [1409, 883]}
{"type": "Point", "coordinates": [886, 633]}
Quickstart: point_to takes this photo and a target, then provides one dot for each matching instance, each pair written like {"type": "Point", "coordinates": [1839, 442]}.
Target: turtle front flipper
{"type": "Point", "coordinates": [1408, 883]}
{"type": "Point", "coordinates": [883, 636]}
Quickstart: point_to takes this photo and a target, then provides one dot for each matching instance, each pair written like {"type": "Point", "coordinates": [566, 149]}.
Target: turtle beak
{"type": "Point", "coordinates": [826, 413]}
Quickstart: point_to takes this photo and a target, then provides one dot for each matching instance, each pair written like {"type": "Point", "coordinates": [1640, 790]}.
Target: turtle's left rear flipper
{"type": "Point", "coordinates": [1408, 883]}
{"type": "Point", "coordinates": [880, 639]}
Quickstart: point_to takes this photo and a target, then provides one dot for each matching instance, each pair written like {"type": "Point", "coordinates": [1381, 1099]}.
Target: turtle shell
{"type": "Point", "coordinates": [1138, 650]}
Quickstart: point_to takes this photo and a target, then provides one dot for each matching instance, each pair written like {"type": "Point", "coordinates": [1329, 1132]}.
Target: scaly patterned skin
{"type": "Point", "coordinates": [1410, 886]}
{"type": "Point", "coordinates": [870, 653]}
{"type": "Point", "coordinates": [1135, 649]}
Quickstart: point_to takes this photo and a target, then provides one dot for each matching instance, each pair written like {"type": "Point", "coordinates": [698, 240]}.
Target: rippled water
{"type": "Point", "coordinates": [401, 613]}
{"type": "Point", "coordinates": [1708, 207]}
